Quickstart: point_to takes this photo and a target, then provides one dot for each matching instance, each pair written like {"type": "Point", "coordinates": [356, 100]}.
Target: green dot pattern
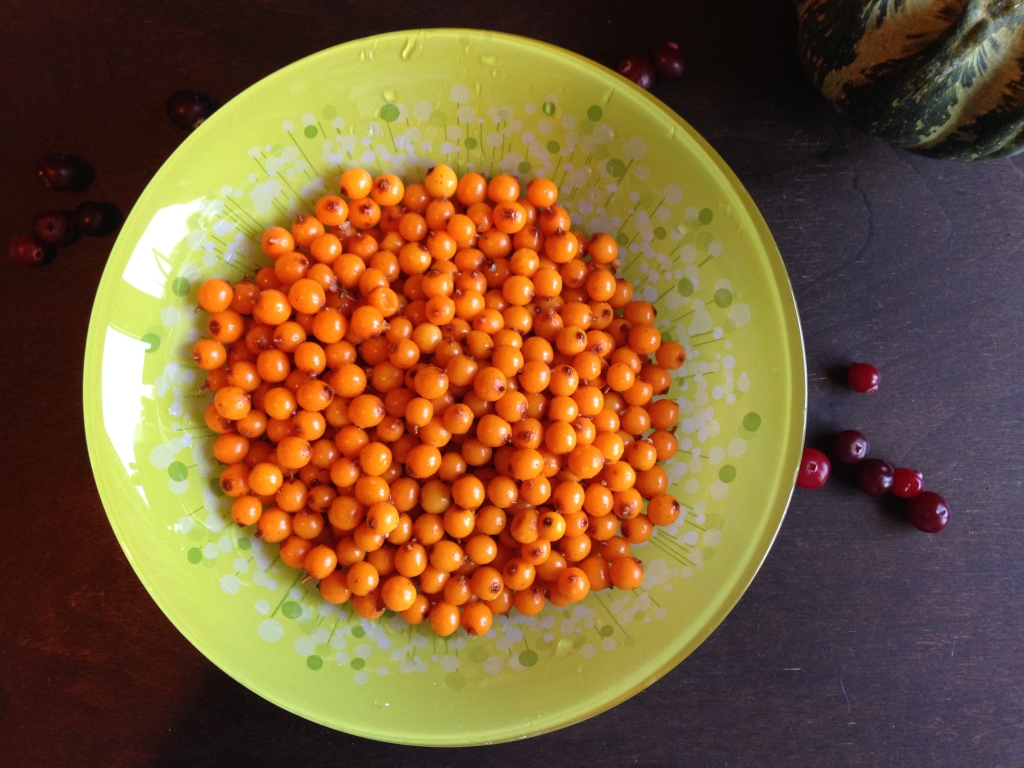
{"type": "Point", "coordinates": [177, 471]}
{"type": "Point", "coordinates": [244, 544]}
{"type": "Point", "coordinates": [594, 113]}
{"type": "Point", "coordinates": [549, 108]}
{"type": "Point", "coordinates": [622, 239]}
{"type": "Point", "coordinates": [478, 654]}
{"type": "Point", "coordinates": [357, 664]}
{"type": "Point", "coordinates": [705, 216]}
{"type": "Point", "coordinates": [358, 632]}
{"type": "Point", "coordinates": [214, 486]}
{"type": "Point", "coordinates": [310, 131]}
{"type": "Point", "coordinates": [616, 168]}
{"type": "Point", "coordinates": [528, 658]}
{"type": "Point", "coordinates": [194, 555]}
{"type": "Point", "coordinates": [330, 112]}
{"type": "Point", "coordinates": [454, 680]}
{"type": "Point", "coordinates": [607, 630]}
{"type": "Point", "coordinates": [659, 233]}
{"type": "Point", "coordinates": [291, 610]}
{"type": "Point", "coordinates": [723, 297]}
{"type": "Point", "coordinates": [314, 662]}
{"type": "Point", "coordinates": [525, 167]}
{"type": "Point", "coordinates": [389, 113]}
{"type": "Point", "coordinates": [554, 146]}
{"type": "Point", "coordinates": [752, 421]}
{"type": "Point", "coordinates": [153, 340]}
{"type": "Point", "coordinates": [686, 287]}
{"type": "Point", "coordinates": [470, 143]}
{"type": "Point", "coordinates": [727, 473]}
{"type": "Point", "coordinates": [181, 286]}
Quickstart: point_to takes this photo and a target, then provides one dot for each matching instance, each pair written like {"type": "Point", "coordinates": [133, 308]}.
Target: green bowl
{"type": "Point", "coordinates": [694, 245]}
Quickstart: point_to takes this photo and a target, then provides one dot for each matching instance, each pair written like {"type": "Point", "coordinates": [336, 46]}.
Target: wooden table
{"type": "Point", "coordinates": [861, 643]}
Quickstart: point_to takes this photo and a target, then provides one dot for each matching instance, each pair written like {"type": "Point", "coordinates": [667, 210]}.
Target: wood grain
{"type": "Point", "coordinates": [861, 642]}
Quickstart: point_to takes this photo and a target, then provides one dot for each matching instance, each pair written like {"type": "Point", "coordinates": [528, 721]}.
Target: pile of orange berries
{"type": "Point", "coordinates": [439, 400]}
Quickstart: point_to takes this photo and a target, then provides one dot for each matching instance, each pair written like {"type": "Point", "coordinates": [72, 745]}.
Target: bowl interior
{"type": "Point", "coordinates": [693, 244]}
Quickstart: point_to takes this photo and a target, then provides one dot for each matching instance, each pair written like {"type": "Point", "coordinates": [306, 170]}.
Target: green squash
{"type": "Point", "coordinates": [941, 77]}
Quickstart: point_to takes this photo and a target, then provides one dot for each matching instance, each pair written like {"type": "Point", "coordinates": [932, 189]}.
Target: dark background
{"type": "Point", "coordinates": [861, 643]}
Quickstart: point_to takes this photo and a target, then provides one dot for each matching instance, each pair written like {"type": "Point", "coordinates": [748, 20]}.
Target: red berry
{"type": "Point", "coordinates": [65, 173]}
{"type": "Point", "coordinates": [97, 219]}
{"type": "Point", "coordinates": [189, 109]}
{"type": "Point", "coordinates": [863, 377]}
{"type": "Point", "coordinates": [850, 447]}
{"type": "Point", "coordinates": [814, 469]}
{"type": "Point", "coordinates": [56, 228]}
{"type": "Point", "coordinates": [928, 512]}
{"type": "Point", "coordinates": [639, 69]}
{"type": "Point", "coordinates": [27, 251]}
{"type": "Point", "coordinates": [907, 483]}
{"type": "Point", "coordinates": [874, 476]}
{"type": "Point", "coordinates": [669, 61]}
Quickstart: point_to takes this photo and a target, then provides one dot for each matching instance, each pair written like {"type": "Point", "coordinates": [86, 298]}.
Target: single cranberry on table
{"type": "Point", "coordinates": [65, 173]}
{"type": "Point", "coordinates": [639, 69]}
{"type": "Point", "coordinates": [907, 483]}
{"type": "Point", "coordinates": [874, 476]}
{"type": "Point", "coordinates": [928, 512]}
{"type": "Point", "coordinates": [669, 61]}
{"type": "Point", "coordinates": [863, 378]}
{"type": "Point", "coordinates": [190, 109]}
{"type": "Point", "coordinates": [56, 228]}
{"type": "Point", "coordinates": [27, 251]}
{"type": "Point", "coordinates": [97, 219]}
{"type": "Point", "coordinates": [850, 447]}
{"type": "Point", "coordinates": [814, 469]}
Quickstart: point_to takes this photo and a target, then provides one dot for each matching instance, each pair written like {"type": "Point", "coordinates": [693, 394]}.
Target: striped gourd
{"type": "Point", "coordinates": [941, 77]}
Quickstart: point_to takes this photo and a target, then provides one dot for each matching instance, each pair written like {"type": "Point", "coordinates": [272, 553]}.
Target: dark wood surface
{"type": "Point", "coordinates": [860, 643]}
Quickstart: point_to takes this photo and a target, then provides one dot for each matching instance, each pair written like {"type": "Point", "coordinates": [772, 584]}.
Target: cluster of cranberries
{"type": "Point", "coordinates": [666, 62]}
{"type": "Point", "coordinates": [927, 510]}
{"type": "Point", "coordinates": [59, 229]}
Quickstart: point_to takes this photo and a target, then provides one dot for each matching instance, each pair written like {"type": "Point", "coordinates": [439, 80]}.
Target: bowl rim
{"type": "Point", "coordinates": [794, 431]}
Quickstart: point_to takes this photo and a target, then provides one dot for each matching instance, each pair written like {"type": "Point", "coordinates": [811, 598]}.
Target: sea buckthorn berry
{"type": "Point", "coordinates": [274, 526]}
{"type": "Point", "coordinates": [387, 189]}
{"type": "Point", "coordinates": [671, 355]}
{"type": "Point", "coordinates": [398, 593]}
{"type": "Point", "coordinates": [441, 181]}
{"type": "Point", "coordinates": [355, 183]}
{"type": "Point", "coordinates": [246, 510]}
{"type": "Point", "coordinates": [331, 210]}
{"type": "Point", "coordinates": [476, 619]}
{"type": "Point", "coordinates": [215, 295]}
{"type": "Point", "coordinates": [574, 584]}
{"type": "Point", "coordinates": [276, 242]}
{"type": "Point", "coordinates": [209, 354]}
{"type": "Point", "coordinates": [445, 619]}
{"type": "Point", "coordinates": [627, 572]}
{"type": "Point", "coordinates": [334, 588]}
{"type": "Point", "coordinates": [602, 249]}
{"type": "Point", "coordinates": [306, 229]}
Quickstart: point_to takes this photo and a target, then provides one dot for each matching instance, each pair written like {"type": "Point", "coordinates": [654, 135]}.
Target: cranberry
{"type": "Point", "coordinates": [189, 109]}
{"type": "Point", "coordinates": [928, 512]}
{"type": "Point", "coordinates": [850, 447]}
{"type": "Point", "coordinates": [907, 483]}
{"type": "Point", "coordinates": [56, 228]}
{"type": "Point", "coordinates": [669, 61]}
{"type": "Point", "coordinates": [97, 219]}
{"type": "Point", "coordinates": [27, 250]}
{"type": "Point", "coordinates": [814, 469]}
{"type": "Point", "coordinates": [874, 476]}
{"type": "Point", "coordinates": [65, 173]}
{"type": "Point", "coordinates": [639, 69]}
{"type": "Point", "coordinates": [863, 377]}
